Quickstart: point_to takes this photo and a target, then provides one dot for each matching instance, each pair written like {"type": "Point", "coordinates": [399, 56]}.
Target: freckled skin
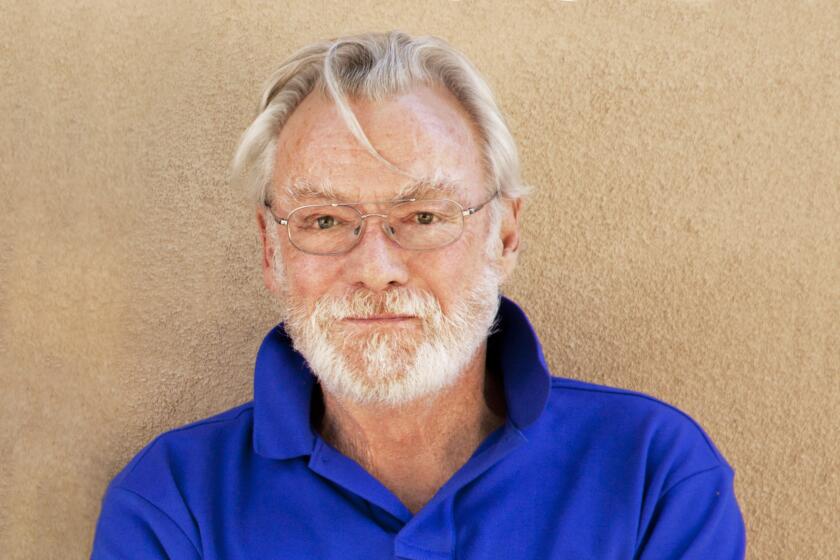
{"type": "Point", "coordinates": [418, 132]}
{"type": "Point", "coordinates": [415, 448]}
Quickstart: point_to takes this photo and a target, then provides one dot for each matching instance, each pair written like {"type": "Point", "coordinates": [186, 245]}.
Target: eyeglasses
{"type": "Point", "coordinates": [415, 224]}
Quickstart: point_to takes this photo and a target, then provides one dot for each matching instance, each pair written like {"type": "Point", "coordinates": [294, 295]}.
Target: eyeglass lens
{"type": "Point", "coordinates": [421, 224]}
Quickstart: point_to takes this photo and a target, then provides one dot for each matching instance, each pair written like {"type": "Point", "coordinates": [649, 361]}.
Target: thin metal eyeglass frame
{"type": "Point", "coordinates": [465, 212]}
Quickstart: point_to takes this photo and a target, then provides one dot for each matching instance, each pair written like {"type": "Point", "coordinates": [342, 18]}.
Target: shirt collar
{"type": "Point", "coordinates": [283, 384]}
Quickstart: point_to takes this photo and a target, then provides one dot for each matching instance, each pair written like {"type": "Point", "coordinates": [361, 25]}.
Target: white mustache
{"type": "Point", "coordinates": [363, 304]}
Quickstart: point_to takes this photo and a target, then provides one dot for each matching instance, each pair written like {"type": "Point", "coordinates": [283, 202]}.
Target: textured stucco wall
{"type": "Point", "coordinates": [683, 239]}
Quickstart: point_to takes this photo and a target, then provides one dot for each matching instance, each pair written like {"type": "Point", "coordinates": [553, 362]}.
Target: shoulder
{"type": "Point", "coordinates": [634, 424]}
{"type": "Point", "coordinates": [188, 451]}
{"type": "Point", "coordinates": [152, 504]}
{"type": "Point", "coordinates": [627, 451]}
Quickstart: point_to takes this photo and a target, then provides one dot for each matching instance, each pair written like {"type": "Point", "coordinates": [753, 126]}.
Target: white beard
{"type": "Point", "coordinates": [392, 366]}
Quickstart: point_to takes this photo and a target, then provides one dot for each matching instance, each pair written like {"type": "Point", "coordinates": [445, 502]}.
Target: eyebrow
{"type": "Point", "coordinates": [428, 188]}
{"type": "Point", "coordinates": [302, 190]}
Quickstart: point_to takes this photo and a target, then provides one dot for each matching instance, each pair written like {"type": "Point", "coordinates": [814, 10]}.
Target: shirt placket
{"type": "Point", "coordinates": [429, 534]}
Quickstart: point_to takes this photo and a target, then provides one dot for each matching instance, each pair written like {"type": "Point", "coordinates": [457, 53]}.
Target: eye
{"type": "Point", "coordinates": [326, 222]}
{"type": "Point", "coordinates": [425, 218]}
{"type": "Point", "coordinates": [322, 222]}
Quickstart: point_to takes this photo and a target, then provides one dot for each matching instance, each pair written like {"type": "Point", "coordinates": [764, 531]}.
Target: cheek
{"type": "Point", "coordinates": [470, 251]}
{"type": "Point", "coordinates": [308, 276]}
{"type": "Point", "coordinates": [447, 273]}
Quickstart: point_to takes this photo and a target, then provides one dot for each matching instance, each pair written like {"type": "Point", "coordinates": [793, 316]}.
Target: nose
{"type": "Point", "coordinates": [386, 227]}
{"type": "Point", "coordinates": [377, 262]}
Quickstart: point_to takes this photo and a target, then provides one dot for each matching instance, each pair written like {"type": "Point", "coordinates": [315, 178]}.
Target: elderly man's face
{"type": "Point", "coordinates": [440, 302]}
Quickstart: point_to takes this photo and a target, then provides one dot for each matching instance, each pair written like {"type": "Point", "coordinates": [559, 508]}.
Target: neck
{"type": "Point", "coordinates": [414, 448]}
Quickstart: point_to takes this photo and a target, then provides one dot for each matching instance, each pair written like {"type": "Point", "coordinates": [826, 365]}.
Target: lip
{"type": "Point", "coordinates": [381, 319]}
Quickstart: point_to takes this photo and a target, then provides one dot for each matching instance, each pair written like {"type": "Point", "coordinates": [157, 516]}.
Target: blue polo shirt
{"type": "Point", "coordinates": [578, 471]}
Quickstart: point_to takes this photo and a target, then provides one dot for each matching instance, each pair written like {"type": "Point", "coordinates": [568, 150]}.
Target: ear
{"type": "Point", "coordinates": [509, 234]}
{"type": "Point", "coordinates": [267, 253]}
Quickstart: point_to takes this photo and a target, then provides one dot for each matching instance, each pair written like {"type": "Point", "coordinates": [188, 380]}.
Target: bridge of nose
{"type": "Point", "coordinates": [386, 227]}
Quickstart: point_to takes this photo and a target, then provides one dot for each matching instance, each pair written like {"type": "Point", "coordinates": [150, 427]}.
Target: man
{"type": "Point", "coordinates": [403, 409]}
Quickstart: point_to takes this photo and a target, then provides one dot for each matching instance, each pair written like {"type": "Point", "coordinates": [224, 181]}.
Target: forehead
{"type": "Point", "coordinates": [425, 132]}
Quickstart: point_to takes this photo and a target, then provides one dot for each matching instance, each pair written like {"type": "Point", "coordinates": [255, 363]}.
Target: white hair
{"type": "Point", "coordinates": [375, 66]}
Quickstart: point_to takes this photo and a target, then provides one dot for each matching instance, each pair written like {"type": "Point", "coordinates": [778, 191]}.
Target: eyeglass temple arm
{"type": "Point", "coordinates": [281, 221]}
{"type": "Point", "coordinates": [474, 209]}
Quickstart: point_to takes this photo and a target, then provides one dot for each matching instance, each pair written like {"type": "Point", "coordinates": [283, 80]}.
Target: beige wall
{"type": "Point", "coordinates": [683, 239]}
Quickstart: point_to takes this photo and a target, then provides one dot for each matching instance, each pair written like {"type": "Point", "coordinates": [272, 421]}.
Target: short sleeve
{"type": "Point", "coordinates": [696, 518]}
{"type": "Point", "coordinates": [130, 527]}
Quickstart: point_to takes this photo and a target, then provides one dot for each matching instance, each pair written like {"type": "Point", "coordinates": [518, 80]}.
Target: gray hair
{"type": "Point", "coordinates": [374, 66]}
